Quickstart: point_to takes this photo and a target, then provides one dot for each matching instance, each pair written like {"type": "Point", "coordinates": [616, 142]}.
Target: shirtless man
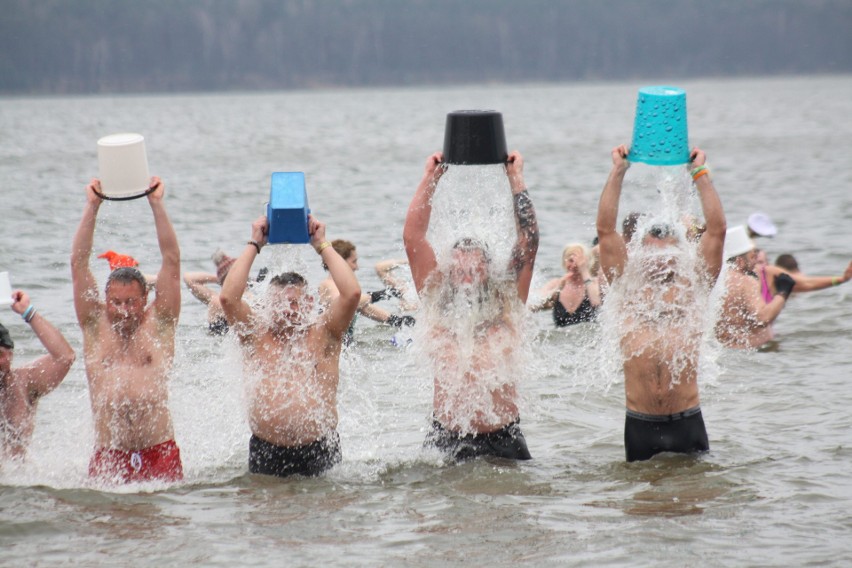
{"type": "Point", "coordinates": [660, 327]}
{"type": "Point", "coordinates": [291, 362]}
{"type": "Point", "coordinates": [128, 348]}
{"type": "Point", "coordinates": [475, 408]}
{"type": "Point", "coordinates": [21, 388]}
{"type": "Point", "coordinates": [746, 320]}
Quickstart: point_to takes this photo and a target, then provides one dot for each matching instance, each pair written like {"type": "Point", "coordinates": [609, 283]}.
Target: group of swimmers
{"type": "Point", "coordinates": [291, 355]}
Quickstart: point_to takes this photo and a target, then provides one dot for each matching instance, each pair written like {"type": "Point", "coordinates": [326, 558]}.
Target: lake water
{"type": "Point", "coordinates": [775, 489]}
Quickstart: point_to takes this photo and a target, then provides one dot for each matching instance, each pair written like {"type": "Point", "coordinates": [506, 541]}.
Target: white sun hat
{"type": "Point", "coordinates": [761, 225]}
{"type": "Point", "coordinates": [737, 242]}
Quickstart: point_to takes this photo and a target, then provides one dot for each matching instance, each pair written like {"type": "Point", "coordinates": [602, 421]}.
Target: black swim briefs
{"type": "Point", "coordinates": [508, 442]}
{"type": "Point", "coordinates": [311, 459]}
{"type": "Point", "coordinates": [646, 435]}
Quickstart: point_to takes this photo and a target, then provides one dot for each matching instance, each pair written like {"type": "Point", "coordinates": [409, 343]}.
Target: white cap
{"type": "Point", "coordinates": [761, 225]}
{"type": "Point", "coordinates": [737, 242]}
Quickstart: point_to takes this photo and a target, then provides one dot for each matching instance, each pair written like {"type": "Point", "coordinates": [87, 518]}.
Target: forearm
{"type": "Point", "coordinates": [526, 226]}
{"type": "Point", "coordinates": [342, 275]}
{"type": "Point", "coordinates": [711, 206]}
{"type": "Point", "coordinates": [166, 236]}
{"type": "Point", "coordinates": [608, 206]}
{"type": "Point", "coordinates": [81, 248]}
{"type": "Point", "coordinates": [770, 311]}
{"type": "Point", "coordinates": [814, 283]}
{"type": "Point", "coordinates": [235, 285]}
{"type": "Point", "coordinates": [419, 212]}
{"type": "Point", "coordinates": [55, 343]}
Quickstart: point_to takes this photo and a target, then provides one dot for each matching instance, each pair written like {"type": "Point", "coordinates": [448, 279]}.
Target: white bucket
{"type": "Point", "coordinates": [5, 290]}
{"type": "Point", "coordinates": [123, 166]}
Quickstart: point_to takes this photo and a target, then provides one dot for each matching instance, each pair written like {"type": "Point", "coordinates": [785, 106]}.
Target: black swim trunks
{"type": "Point", "coordinates": [584, 312]}
{"type": "Point", "coordinates": [508, 442]}
{"type": "Point", "coordinates": [218, 326]}
{"type": "Point", "coordinates": [646, 435]}
{"type": "Point", "coordinates": [310, 460]}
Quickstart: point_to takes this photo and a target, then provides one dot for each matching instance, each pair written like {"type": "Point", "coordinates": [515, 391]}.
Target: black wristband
{"type": "Point", "coordinates": [256, 245]}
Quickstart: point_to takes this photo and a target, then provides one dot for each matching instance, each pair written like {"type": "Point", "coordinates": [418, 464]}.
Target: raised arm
{"type": "Point", "coordinates": [526, 226]}
{"type": "Point", "coordinates": [806, 283]}
{"type": "Point", "coordinates": [421, 256]}
{"type": "Point", "coordinates": [342, 307]}
{"type": "Point", "coordinates": [86, 301]}
{"type": "Point", "coordinates": [237, 311]}
{"type": "Point", "coordinates": [167, 301]}
{"type": "Point", "coordinates": [612, 247]}
{"type": "Point", "coordinates": [197, 284]}
{"type": "Point", "coordinates": [45, 373]}
{"type": "Point", "coordinates": [712, 242]}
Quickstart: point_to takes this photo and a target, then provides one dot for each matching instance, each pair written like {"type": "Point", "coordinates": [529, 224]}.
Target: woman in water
{"type": "Point", "coordinates": [575, 296]}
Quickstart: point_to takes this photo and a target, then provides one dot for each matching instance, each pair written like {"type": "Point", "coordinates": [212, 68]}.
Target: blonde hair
{"type": "Point", "coordinates": [572, 247]}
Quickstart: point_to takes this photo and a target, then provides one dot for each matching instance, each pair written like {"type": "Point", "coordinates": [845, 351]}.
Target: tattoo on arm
{"type": "Point", "coordinates": [527, 229]}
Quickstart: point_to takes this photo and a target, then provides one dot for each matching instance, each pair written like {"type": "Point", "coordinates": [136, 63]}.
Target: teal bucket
{"type": "Point", "coordinates": [660, 135]}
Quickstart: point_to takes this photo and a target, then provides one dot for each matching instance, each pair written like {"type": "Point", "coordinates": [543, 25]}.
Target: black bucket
{"type": "Point", "coordinates": [475, 137]}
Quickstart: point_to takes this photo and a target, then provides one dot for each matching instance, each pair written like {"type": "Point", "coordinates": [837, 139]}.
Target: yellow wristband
{"type": "Point", "coordinates": [323, 246]}
{"type": "Point", "coordinates": [703, 172]}
{"type": "Point", "coordinates": [835, 281]}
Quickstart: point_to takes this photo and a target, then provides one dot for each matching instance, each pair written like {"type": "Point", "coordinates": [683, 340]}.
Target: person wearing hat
{"type": "Point", "coordinates": [657, 309]}
{"type": "Point", "coordinates": [199, 282]}
{"type": "Point", "coordinates": [129, 347]}
{"type": "Point", "coordinates": [21, 388]}
{"type": "Point", "coordinates": [117, 260]}
{"type": "Point", "coordinates": [746, 318]}
{"type": "Point", "coordinates": [760, 225]}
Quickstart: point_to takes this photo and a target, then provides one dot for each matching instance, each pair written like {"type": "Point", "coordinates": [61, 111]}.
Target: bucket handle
{"type": "Point", "coordinates": [128, 198]}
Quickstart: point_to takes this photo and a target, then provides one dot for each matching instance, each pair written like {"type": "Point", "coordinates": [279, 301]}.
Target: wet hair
{"type": "Point", "coordinates": [288, 279]}
{"type": "Point", "coordinates": [342, 247]}
{"type": "Point", "coordinates": [661, 231]}
{"type": "Point", "coordinates": [6, 338]}
{"type": "Point", "coordinates": [126, 275]}
{"type": "Point", "coordinates": [470, 244]}
{"type": "Point", "coordinates": [628, 226]}
{"type": "Point", "coordinates": [787, 262]}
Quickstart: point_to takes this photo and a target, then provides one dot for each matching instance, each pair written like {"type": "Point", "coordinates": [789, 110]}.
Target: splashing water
{"type": "Point", "coordinates": [662, 304]}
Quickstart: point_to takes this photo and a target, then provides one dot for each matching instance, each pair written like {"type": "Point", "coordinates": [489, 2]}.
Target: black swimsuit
{"type": "Point", "coordinates": [219, 326]}
{"type": "Point", "coordinates": [311, 459]}
{"type": "Point", "coordinates": [646, 435]}
{"type": "Point", "coordinates": [584, 312]}
{"type": "Point", "coordinates": [508, 442]}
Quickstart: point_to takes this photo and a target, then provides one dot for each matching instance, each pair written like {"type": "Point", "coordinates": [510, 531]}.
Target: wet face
{"type": "Point", "coordinates": [5, 361]}
{"type": "Point", "coordinates": [125, 304]}
{"type": "Point", "coordinates": [469, 268]}
{"type": "Point", "coordinates": [660, 256]}
{"type": "Point", "coordinates": [290, 305]}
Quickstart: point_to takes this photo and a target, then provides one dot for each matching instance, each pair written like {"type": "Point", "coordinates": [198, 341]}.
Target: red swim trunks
{"type": "Point", "coordinates": [160, 463]}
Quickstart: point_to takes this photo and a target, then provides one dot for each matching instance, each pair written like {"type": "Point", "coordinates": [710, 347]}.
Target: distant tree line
{"type": "Point", "coordinates": [115, 46]}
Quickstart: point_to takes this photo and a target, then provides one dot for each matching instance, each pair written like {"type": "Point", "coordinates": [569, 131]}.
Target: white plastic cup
{"type": "Point", "coordinates": [123, 165]}
{"type": "Point", "coordinates": [5, 290]}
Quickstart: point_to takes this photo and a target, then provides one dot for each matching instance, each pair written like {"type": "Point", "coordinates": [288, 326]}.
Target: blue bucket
{"type": "Point", "coordinates": [287, 209]}
{"type": "Point", "coordinates": [660, 135]}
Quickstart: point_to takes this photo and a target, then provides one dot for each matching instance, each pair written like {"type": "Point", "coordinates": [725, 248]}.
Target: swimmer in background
{"type": "Point", "coordinates": [747, 316]}
{"type": "Point", "coordinates": [395, 287]}
{"type": "Point", "coordinates": [199, 284]}
{"type": "Point", "coordinates": [475, 409]}
{"type": "Point", "coordinates": [21, 388]}
{"type": "Point", "coordinates": [787, 264]}
{"type": "Point", "coordinates": [128, 348]}
{"type": "Point", "coordinates": [291, 362]}
{"type": "Point", "coordinates": [660, 364]}
{"type": "Point", "coordinates": [328, 291]}
{"type": "Point", "coordinates": [576, 296]}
